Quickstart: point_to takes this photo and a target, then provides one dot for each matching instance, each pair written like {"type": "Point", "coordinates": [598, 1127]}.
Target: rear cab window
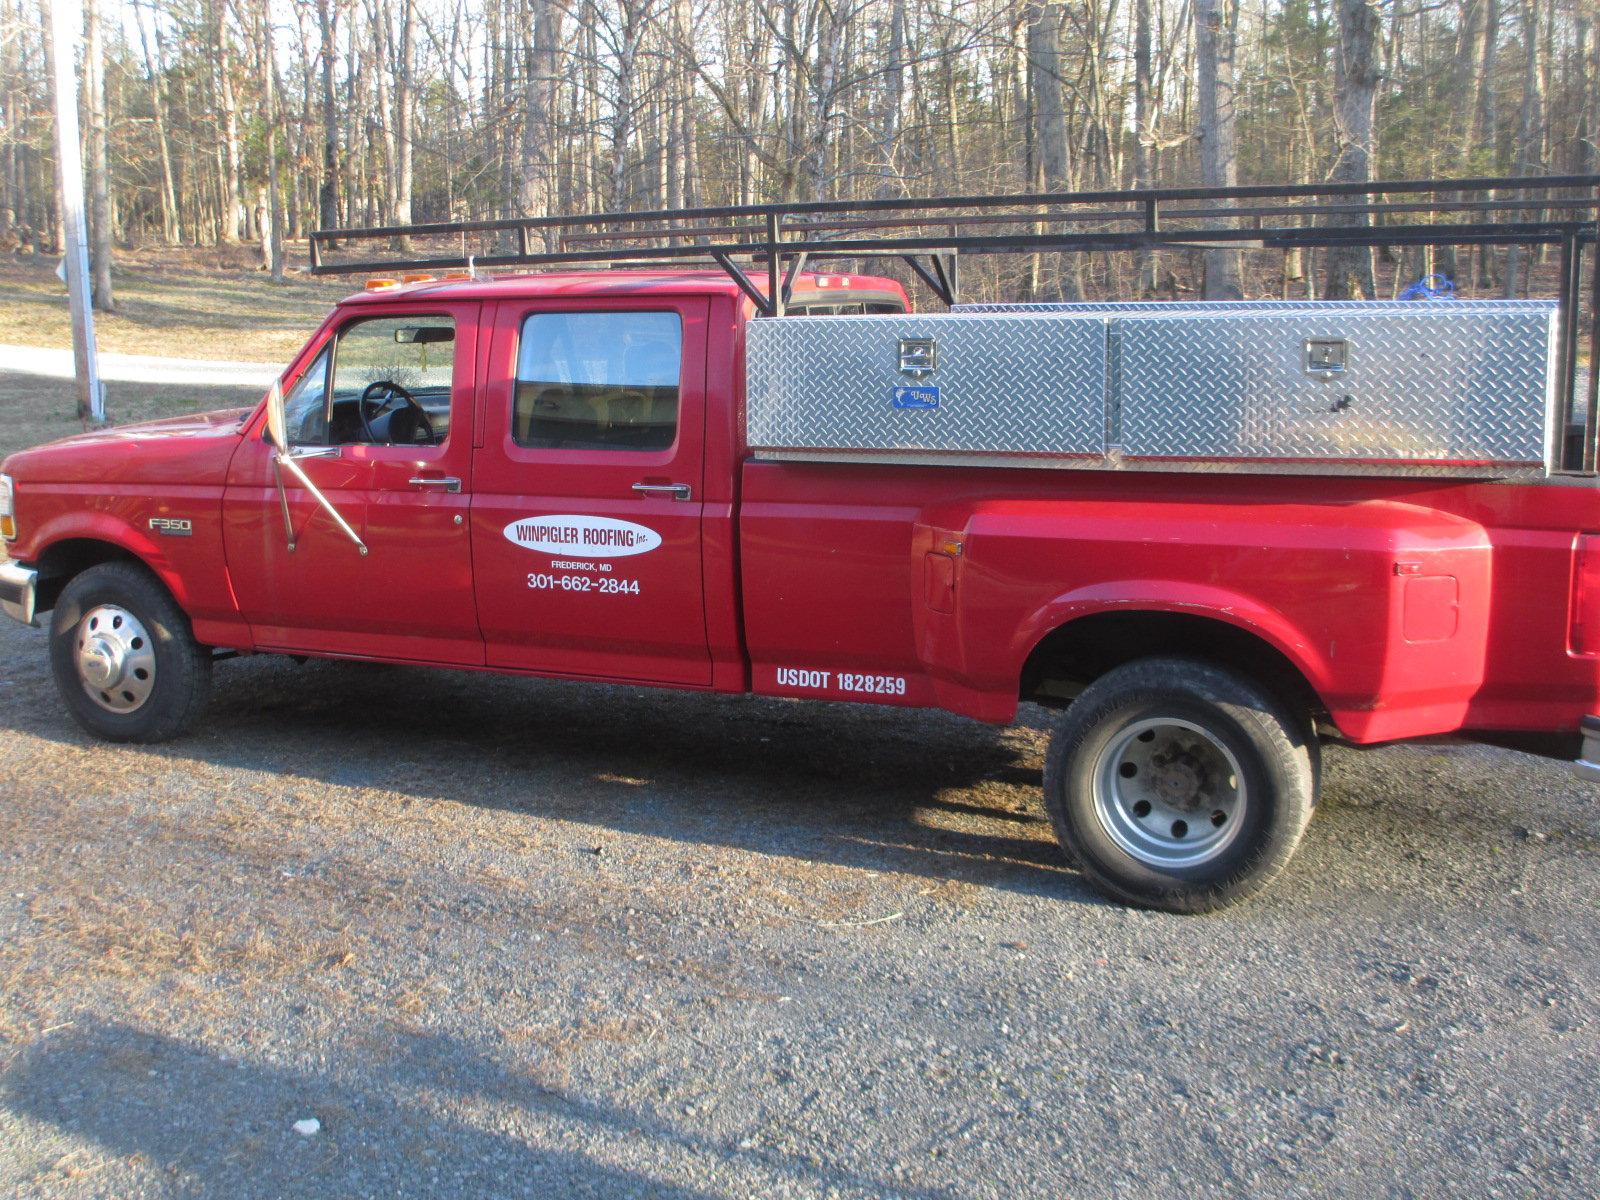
{"type": "Point", "coordinates": [598, 381]}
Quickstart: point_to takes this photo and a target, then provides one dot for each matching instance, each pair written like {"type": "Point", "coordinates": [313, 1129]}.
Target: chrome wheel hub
{"type": "Point", "coordinates": [1169, 792]}
{"type": "Point", "coordinates": [116, 660]}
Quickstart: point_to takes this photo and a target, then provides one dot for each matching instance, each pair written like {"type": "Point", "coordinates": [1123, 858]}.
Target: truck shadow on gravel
{"type": "Point", "coordinates": [209, 1125]}
{"type": "Point", "coordinates": [882, 789]}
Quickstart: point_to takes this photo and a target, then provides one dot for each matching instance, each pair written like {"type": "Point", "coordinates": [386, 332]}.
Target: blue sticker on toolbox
{"type": "Point", "coordinates": [916, 397]}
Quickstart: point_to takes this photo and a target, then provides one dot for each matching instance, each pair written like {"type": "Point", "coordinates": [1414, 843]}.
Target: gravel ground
{"type": "Point", "coordinates": [512, 938]}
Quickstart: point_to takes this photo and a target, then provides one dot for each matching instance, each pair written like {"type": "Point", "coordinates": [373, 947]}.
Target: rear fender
{"type": "Point", "coordinates": [1179, 598]}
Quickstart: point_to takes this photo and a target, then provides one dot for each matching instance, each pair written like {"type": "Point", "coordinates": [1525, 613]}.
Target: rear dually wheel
{"type": "Point", "coordinates": [1179, 785]}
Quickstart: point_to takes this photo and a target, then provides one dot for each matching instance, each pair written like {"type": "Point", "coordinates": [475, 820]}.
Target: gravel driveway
{"type": "Point", "coordinates": [513, 938]}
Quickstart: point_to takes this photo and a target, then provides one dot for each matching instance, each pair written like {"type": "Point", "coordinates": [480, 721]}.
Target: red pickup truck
{"type": "Point", "coordinates": [551, 475]}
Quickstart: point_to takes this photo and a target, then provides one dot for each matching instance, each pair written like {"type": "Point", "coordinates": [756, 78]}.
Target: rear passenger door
{"type": "Point", "coordinates": [586, 513]}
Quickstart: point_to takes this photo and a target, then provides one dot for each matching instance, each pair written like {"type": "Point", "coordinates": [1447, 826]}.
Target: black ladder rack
{"type": "Point", "coordinates": [929, 235]}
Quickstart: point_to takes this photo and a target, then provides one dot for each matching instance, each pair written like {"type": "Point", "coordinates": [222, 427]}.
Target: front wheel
{"type": "Point", "coordinates": [1180, 786]}
{"type": "Point", "coordinates": [125, 661]}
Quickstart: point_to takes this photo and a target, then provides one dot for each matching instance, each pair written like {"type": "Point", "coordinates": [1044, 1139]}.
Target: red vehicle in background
{"type": "Point", "coordinates": [624, 475]}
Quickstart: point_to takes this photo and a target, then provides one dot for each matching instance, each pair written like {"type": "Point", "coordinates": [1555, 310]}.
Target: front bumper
{"type": "Point", "coordinates": [1588, 764]}
{"type": "Point", "coordinates": [19, 588]}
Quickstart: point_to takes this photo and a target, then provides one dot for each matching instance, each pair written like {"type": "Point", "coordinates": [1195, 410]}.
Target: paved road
{"type": "Point", "coordinates": [511, 938]}
{"type": "Point", "coordinates": [51, 363]}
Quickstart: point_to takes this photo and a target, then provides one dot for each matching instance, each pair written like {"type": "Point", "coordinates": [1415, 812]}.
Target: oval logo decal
{"type": "Point", "coordinates": [574, 536]}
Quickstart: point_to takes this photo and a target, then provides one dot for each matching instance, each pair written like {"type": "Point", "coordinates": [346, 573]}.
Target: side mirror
{"type": "Point", "coordinates": [282, 461]}
{"type": "Point", "coordinates": [275, 420]}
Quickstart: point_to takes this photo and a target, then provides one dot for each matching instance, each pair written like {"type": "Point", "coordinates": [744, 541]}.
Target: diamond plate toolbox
{"type": "Point", "coordinates": [1013, 385]}
{"type": "Point", "coordinates": [1436, 388]}
{"type": "Point", "coordinates": [1469, 386]}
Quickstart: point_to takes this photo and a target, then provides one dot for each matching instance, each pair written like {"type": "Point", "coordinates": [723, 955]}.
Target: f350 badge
{"type": "Point", "coordinates": [172, 526]}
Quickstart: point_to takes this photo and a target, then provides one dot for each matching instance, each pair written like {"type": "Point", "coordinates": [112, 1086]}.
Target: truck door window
{"type": "Point", "coordinates": [392, 380]}
{"type": "Point", "coordinates": [598, 381]}
{"type": "Point", "coordinates": [305, 409]}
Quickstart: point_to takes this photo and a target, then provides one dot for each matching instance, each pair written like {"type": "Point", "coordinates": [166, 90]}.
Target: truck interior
{"type": "Point", "coordinates": [379, 381]}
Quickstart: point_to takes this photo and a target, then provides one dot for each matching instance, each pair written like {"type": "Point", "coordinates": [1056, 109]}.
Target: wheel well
{"type": "Point", "coordinates": [1075, 655]}
{"type": "Point", "coordinates": [62, 560]}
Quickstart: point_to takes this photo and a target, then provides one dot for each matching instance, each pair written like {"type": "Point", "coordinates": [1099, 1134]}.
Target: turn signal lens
{"type": "Point", "coordinates": [1585, 631]}
{"type": "Point", "coordinates": [8, 511]}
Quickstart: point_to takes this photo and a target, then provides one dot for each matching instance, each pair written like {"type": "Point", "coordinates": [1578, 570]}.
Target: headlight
{"type": "Point", "coordinates": [8, 511]}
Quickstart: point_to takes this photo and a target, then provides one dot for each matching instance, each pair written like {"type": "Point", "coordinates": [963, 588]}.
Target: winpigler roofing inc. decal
{"type": "Point", "coordinates": [573, 536]}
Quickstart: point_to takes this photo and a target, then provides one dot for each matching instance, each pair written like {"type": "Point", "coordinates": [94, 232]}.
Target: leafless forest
{"type": "Point", "coordinates": [223, 121]}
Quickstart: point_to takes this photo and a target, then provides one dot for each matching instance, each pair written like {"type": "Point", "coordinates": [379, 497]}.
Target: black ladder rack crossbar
{"type": "Point", "coordinates": [930, 234]}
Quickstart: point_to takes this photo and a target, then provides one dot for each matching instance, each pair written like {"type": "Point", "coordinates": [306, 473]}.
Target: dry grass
{"type": "Point", "coordinates": [181, 304]}
{"type": "Point", "coordinates": [34, 410]}
{"type": "Point", "coordinates": [184, 303]}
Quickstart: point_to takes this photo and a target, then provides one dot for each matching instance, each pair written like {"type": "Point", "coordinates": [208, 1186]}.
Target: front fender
{"type": "Point", "coordinates": [186, 556]}
{"type": "Point", "coordinates": [117, 531]}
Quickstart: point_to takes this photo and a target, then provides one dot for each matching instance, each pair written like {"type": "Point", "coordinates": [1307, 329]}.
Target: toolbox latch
{"type": "Point", "coordinates": [1326, 356]}
{"type": "Point", "coordinates": [919, 357]}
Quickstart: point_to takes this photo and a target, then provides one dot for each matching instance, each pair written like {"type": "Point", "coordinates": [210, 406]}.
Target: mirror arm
{"type": "Point", "coordinates": [283, 502]}
{"type": "Point", "coordinates": [287, 462]}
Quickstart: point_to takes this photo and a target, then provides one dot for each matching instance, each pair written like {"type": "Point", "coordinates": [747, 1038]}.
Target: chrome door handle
{"type": "Point", "coordinates": [448, 482]}
{"type": "Point", "coordinates": [678, 491]}
{"type": "Point", "coordinates": [300, 453]}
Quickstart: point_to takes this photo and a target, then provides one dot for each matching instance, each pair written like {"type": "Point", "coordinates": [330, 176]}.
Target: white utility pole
{"type": "Point", "coordinates": [66, 19]}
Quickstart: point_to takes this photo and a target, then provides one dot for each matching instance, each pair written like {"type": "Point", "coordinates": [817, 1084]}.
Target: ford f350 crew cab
{"type": "Point", "coordinates": [1211, 536]}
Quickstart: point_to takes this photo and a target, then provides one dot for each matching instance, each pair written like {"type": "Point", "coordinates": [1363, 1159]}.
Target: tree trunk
{"type": "Point", "coordinates": [381, 117]}
{"type": "Point", "coordinates": [1050, 129]}
{"type": "Point", "coordinates": [1529, 131]}
{"type": "Point", "coordinates": [894, 99]}
{"type": "Point", "coordinates": [99, 166]}
{"type": "Point", "coordinates": [11, 70]}
{"type": "Point", "coordinates": [537, 192]}
{"type": "Point", "coordinates": [1216, 24]}
{"type": "Point", "coordinates": [688, 121]}
{"type": "Point", "coordinates": [824, 99]}
{"type": "Point", "coordinates": [328, 193]}
{"type": "Point", "coordinates": [405, 102]}
{"type": "Point", "coordinates": [171, 223]}
{"type": "Point", "coordinates": [272, 217]}
{"type": "Point", "coordinates": [1143, 136]}
{"type": "Point", "coordinates": [228, 117]}
{"type": "Point", "coordinates": [58, 225]}
{"type": "Point", "coordinates": [1356, 84]}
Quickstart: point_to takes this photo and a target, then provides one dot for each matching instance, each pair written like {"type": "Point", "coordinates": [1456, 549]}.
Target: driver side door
{"type": "Point", "coordinates": [402, 479]}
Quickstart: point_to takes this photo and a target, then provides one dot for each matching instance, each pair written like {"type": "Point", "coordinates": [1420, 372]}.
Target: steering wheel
{"type": "Point", "coordinates": [388, 389]}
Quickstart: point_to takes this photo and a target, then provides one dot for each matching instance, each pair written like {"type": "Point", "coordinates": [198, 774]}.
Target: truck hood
{"type": "Point", "coordinates": [192, 449]}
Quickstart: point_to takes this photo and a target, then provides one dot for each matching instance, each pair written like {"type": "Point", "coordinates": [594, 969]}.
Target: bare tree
{"type": "Point", "coordinates": [272, 216]}
{"type": "Point", "coordinates": [172, 227]}
{"type": "Point", "coordinates": [538, 184]}
{"type": "Point", "coordinates": [1216, 25]}
{"type": "Point", "coordinates": [1350, 267]}
{"type": "Point", "coordinates": [1143, 138]}
{"type": "Point", "coordinates": [231, 165]}
{"type": "Point", "coordinates": [99, 164]}
{"type": "Point", "coordinates": [1050, 126]}
{"type": "Point", "coordinates": [393, 110]}
{"type": "Point", "coordinates": [1529, 128]}
{"type": "Point", "coordinates": [328, 192]}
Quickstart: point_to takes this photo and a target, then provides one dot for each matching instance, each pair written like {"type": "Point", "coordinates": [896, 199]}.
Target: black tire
{"type": "Point", "coordinates": [182, 667]}
{"type": "Point", "coordinates": [1278, 764]}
